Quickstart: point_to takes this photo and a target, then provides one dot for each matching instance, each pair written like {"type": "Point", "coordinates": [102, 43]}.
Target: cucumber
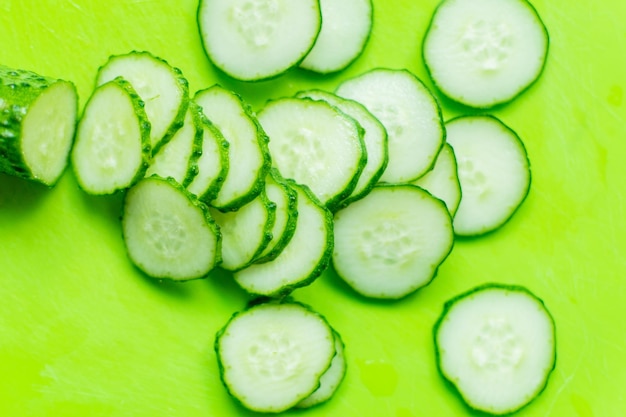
{"type": "Point", "coordinates": [391, 242]}
{"type": "Point", "coordinates": [213, 163]}
{"type": "Point", "coordinates": [163, 88]}
{"type": "Point", "coordinates": [410, 114]}
{"type": "Point", "coordinates": [245, 232]}
{"type": "Point", "coordinates": [443, 180]}
{"type": "Point", "coordinates": [178, 158]}
{"type": "Point", "coordinates": [302, 260]}
{"type": "Point", "coordinates": [249, 157]}
{"type": "Point", "coordinates": [496, 344]}
{"type": "Point", "coordinates": [331, 379]}
{"type": "Point", "coordinates": [253, 40]}
{"type": "Point", "coordinates": [494, 172]}
{"type": "Point", "coordinates": [271, 356]}
{"type": "Point", "coordinates": [112, 148]}
{"type": "Point", "coordinates": [37, 124]}
{"type": "Point", "coordinates": [346, 27]}
{"type": "Point", "coordinates": [285, 199]}
{"type": "Point", "coordinates": [168, 233]}
{"type": "Point", "coordinates": [315, 144]}
{"type": "Point", "coordinates": [374, 139]}
{"type": "Point", "coordinates": [482, 53]}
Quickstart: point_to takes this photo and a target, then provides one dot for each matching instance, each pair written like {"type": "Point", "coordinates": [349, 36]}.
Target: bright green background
{"type": "Point", "coordinates": [83, 333]}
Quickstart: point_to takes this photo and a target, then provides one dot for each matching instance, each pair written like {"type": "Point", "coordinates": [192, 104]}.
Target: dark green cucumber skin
{"type": "Point", "coordinates": [181, 81]}
{"type": "Point", "coordinates": [325, 259]}
{"type": "Point", "coordinates": [19, 88]}
{"type": "Point", "coordinates": [223, 146]}
{"type": "Point", "coordinates": [497, 104]}
{"type": "Point", "coordinates": [449, 304]}
{"type": "Point", "coordinates": [262, 139]}
{"type": "Point", "coordinates": [255, 303]}
{"type": "Point", "coordinates": [292, 219]}
{"type": "Point", "coordinates": [196, 203]}
{"type": "Point", "coordinates": [144, 128]}
{"type": "Point", "coordinates": [525, 195]}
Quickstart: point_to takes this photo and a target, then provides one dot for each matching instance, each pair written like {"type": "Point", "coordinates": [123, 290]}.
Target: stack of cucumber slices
{"type": "Point", "coordinates": [368, 179]}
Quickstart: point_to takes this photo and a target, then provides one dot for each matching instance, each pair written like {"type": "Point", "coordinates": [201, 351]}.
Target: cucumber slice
{"type": "Point", "coordinates": [162, 87]}
{"type": "Point", "coordinates": [285, 199]}
{"type": "Point", "coordinates": [485, 52]}
{"type": "Point", "coordinates": [331, 379]}
{"type": "Point", "coordinates": [245, 232]}
{"type": "Point", "coordinates": [346, 27]}
{"type": "Point", "coordinates": [272, 355]}
{"type": "Point", "coordinates": [391, 242]}
{"type": "Point", "coordinates": [305, 257]}
{"type": "Point", "coordinates": [178, 158]}
{"type": "Point", "coordinates": [112, 149]}
{"type": "Point", "coordinates": [443, 180]}
{"type": "Point", "coordinates": [315, 144]}
{"type": "Point", "coordinates": [251, 40]}
{"type": "Point", "coordinates": [494, 173]}
{"type": "Point", "coordinates": [496, 344]}
{"type": "Point", "coordinates": [410, 114]}
{"type": "Point", "coordinates": [374, 139]}
{"type": "Point", "coordinates": [213, 163]}
{"type": "Point", "coordinates": [37, 124]}
{"type": "Point", "coordinates": [168, 233]}
{"type": "Point", "coordinates": [248, 152]}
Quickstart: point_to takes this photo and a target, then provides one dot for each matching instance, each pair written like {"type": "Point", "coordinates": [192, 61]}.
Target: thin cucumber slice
{"type": "Point", "coordinates": [248, 151]}
{"type": "Point", "coordinates": [331, 379]}
{"type": "Point", "coordinates": [494, 172]}
{"type": "Point", "coordinates": [346, 27]}
{"type": "Point", "coordinates": [374, 138]}
{"type": "Point", "coordinates": [178, 158]}
{"type": "Point", "coordinates": [391, 242]}
{"type": "Point", "coordinates": [496, 344]}
{"type": "Point", "coordinates": [168, 233]}
{"type": "Point", "coordinates": [271, 356]}
{"type": "Point", "coordinates": [305, 257]}
{"type": "Point", "coordinates": [213, 163]}
{"type": "Point", "coordinates": [245, 232]}
{"type": "Point", "coordinates": [315, 144]}
{"type": "Point", "coordinates": [112, 149]}
{"type": "Point", "coordinates": [485, 52]}
{"type": "Point", "coordinates": [410, 114]}
{"type": "Point", "coordinates": [286, 200]}
{"type": "Point", "coordinates": [443, 180]}
{"type": "Point", "coordinates": [37, 124]}
{"type": "Point", "coordinates": [163, 89]}
{"type": "Point", "coordinates": [252, 40]}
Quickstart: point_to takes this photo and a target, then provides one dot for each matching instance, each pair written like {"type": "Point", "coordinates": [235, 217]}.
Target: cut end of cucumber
{"type": "Point", "coordinates": [168, 234]}
{"type": "Point", "coordinates": [48, 132]}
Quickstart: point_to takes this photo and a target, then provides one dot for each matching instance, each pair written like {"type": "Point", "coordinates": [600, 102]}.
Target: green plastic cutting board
{"type": "Point", "coordinates": [83, 333]}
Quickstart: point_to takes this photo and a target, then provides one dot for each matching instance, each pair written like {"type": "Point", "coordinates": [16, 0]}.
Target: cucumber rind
{"type": "Point", "coordinates": [311, 385]}
{"type": "Point", "coordinates": [178, 79]}
{"type": "Point", "coordinates": [514, 205]}
{"type": "Point", "coordinates": [144, 128]}
{"type": "Point", "coordinates": [452, 381]}
{"type": "Point", "coordinates": [497, 102]}
{"type": "Point", "coordinates": [284, 282]}
{"type": "Point", "coordinates": [280, 238]}
{"type": "Point", "coordinates": [231, 194]}
{"type": "Point", "coordinates": [19, 91]}
{"type": "Point", "coordinates": [212, 259]}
